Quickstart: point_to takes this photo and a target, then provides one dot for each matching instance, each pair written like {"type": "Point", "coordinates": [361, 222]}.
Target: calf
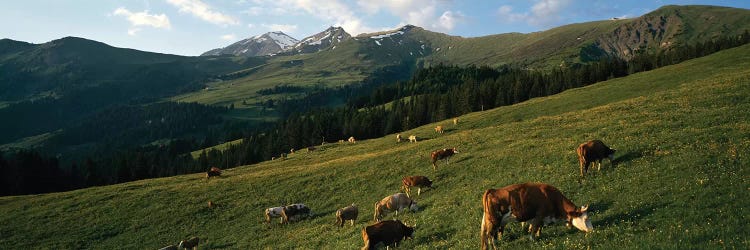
{"type": "Point", "coordinates": [442, 154]}
{"type": "Point", "coordinates": [388, 232]}
{"type": "Point", "coordinates": [214, 171]}
{"type": "Point", "coordinates": [294, 212]}
{"type": "Point", "coordinates": [347, 213]}
{"type": "Point", "coordinates": [593, 151]}
{"type": "Point", "coordinates": [415, 181]}
{"type": "Point", "coordinates": [394, 203]}
{"type": "Point", "coordinates": [439, 129]}
{"type": "Point", "coordinates": [273, 212]}
{"type": "Point", "coordinates": [538, 203]}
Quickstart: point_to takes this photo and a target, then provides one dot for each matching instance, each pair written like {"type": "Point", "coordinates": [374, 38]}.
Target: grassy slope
{"type": "Point", "coordinates": [680, 181]}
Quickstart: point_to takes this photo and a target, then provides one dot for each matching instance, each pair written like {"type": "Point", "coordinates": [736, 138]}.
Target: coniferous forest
{"type": "Point", "coordinates": [372, 109]}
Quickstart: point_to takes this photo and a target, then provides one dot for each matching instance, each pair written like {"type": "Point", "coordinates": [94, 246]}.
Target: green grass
{"type": "Point", "coordinates": [682, 135]}
{"type": "Point", "coordinates": [220, 147]}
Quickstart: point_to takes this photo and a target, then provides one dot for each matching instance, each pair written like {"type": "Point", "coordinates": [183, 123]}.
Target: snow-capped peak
{"type": "Point", "coordinates": [283, 40]}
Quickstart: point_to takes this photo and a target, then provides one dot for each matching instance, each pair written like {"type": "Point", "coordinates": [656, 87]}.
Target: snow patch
{"type": "Point", "coordinates": [422, 46]}
{"type": "Point", "coordinates": [387, 35]}
{"type": "Point", "coordinates": [378, 42]}
{"type": "Point", "coordinates": [282, 39]}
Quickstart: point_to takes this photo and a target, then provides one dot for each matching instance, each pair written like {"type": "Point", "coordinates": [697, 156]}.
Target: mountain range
{"type": "Point", "coordinates": [48, 88]}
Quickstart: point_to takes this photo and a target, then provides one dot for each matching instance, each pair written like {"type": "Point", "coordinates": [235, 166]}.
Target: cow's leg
{"type": "Point", "coordinates": [419, 190]}
{"type": "Point", "coordinates": [352, 222]}
{"type": "Point", "coordinates": [536, 226]}
{"type": "Point", "coordinates": [581, 162]}
{"type": "Point", "coordinates": [599, 165]}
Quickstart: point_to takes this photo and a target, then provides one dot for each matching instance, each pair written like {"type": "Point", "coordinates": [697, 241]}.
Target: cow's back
{"type": "Point", "coordinates": [527, 200]}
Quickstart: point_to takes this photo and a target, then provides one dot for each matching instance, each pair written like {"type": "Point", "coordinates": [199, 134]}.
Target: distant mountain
{"type": "Point", "coordinates": [266, 44]}
{"type": "Point", "coordinates": [329, 38]}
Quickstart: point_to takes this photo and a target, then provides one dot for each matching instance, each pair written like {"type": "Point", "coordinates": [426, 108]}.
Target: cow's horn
{"type": "Point", "coordinates": [584, 208]}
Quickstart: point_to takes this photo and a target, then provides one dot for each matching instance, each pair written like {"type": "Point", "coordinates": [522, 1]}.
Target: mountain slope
{"type": "Point", "coordinates": [326, 39]}
{"type": "Point", "coordinates": [412, 46]}
{"type": "Point", "coordinates": [262, 45]}
{"type": "Point", "coordinates": [680, 134]}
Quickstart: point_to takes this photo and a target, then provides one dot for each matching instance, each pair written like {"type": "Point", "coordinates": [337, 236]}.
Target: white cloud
{"type": "Point", "coordinates": [544, 13]}
{"type": "Point", "coordinates": [143, 18]}
{"type": "Point", "coordinates": [286, 28]}
{"type": "Point", "coordinates": [229, 37]}
{"type": "Point", "coordinates": [203, 11]}
{"type": "Point", "coordinates": [333, 11]}
{"type": "Point", "coordinates": [424, 13]}
{"type": "Point", "coordinates": [449, 19]}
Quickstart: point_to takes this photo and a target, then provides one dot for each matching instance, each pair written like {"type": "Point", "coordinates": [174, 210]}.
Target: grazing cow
{"type": "Point", "coordinates": [351, 140]}
{"type": "Point", "coordinates": [593, 151]}
{"type": "Point", "coordinates": [273, 212]}
{"type": "Point", "coordinates": [415, 181]}
{"type": "Point", "coordinates": [439, 129]}
{"type": "Point", "coordinates": [398, 137]}
{"type": "Point", "coordinates": [538, 203]}
{"type": "Point", "coordinates": [442, 154]}
{"type": "Point", "coordinates": [214, 171]}
{"type": "Point", "coordinates": [211, 204]}
{"type": "Point", "coordinates": [191, 243]}
{"type": "Point", "coordinates": [388, 232]}
{"type": "Point", "coordinates": [294, 212]}
{"type": "Point", "coordinates": [394, 203]}
{"type": "Point", "coordinates": [291, 151]}
{"type": "Point", "coordinates": [341, 141]}
{"type": "Point", "coordinates": [347, 213]}
{"type": "Point", "coordinates": [412, 138]}
{"type": "Point", "coordinates": [455, 121]}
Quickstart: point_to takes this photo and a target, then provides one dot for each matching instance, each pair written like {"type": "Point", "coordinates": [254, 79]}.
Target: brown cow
{"type": "Point", "coordinates": [388, 232]}
{"type": "Point", "coordinates": [593, 151]}
{"type": "Point", "coordinates": [415, 181]}
{"type": "Point", "coordinates": [395, 202]}
{"type": "Point", "coordinates": [294, 212]}
{"type": "Point", "coordinates": [347, 213]}
{"type": "Point", "coordinates": [538, 203]}
{"type": "Point", "coordinates": [214, 171]}
{"type": "Point", "coordinates": [442, 154]}
{"type": "Point", "coordinates": [439, 129]}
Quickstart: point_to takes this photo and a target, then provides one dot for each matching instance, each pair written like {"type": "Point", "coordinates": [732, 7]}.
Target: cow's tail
{"type": "Point", "coordinates": [489, 218]}
{"type": "Point", "coordinates": [339, 220]}
{"type": "Point", "coordinates": [365, 239]}
{"type": "Point", "coordinates": [377, 212]}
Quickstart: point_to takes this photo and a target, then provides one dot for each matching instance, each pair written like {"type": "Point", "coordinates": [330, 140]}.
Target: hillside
{"type": "Point", "coordinates": [353, 60]}
{"type": "Point", "coordinates": [679, 181]}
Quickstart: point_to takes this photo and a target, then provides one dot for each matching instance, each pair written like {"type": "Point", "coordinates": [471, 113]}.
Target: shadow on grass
{"type": "Point", "coordinates": [632, 216]}
{"type": "Point", "coordinates": [629, 156]}
{"type": "Point", "coordinates": [431, 237]}
{"type": "Point", "coordinates": [222, 246]}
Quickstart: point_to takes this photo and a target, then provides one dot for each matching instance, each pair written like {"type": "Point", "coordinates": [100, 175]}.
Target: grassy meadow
{"type": "Point", "coordinates": [680, 178]}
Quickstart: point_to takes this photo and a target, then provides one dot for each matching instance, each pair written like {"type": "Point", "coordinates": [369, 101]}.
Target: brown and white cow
{"type": "Point", "coordinates": [191, 243]}
{"type": "Point", "coordinates": [294, 212]}
{"type": "Point", "coordinates": [386, 232]}
{"type": "Point", "coordinates": [273, 212]}
{"type": "Point", "coordinates": [348, 213]}
{"type": "Point", "coordinates": [352, 140]}
{"type": "Point", "coordinates": [214, 171]}
{"type": "Point", "coordinates": [439, 129]}
{"type": "Point", "coordinates": [538, 203]}
{"type": "Point", "coordinates": [394, 203]}
{"type": "Point", "coordinates": [593, 152]}
{"type": "Point", "coordinates": [398, 137]}
{"type": "Point", "coordinates": [442, 154]}
{"type": "Point", "coordinates": [415, 181]}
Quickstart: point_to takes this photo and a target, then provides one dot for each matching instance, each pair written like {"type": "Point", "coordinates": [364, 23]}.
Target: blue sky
{"type": "Point", "coordinates": [190, 27]}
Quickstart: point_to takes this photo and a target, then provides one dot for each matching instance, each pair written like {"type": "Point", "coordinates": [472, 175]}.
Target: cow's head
{"type": "Point", "coordinates": [455, 151]}
{"type": "Point", "coordinates": [428, 183]}
{"type": "Point", "coordinates": [611, 155]}
{"type": "Point", "coordinates": [413, 206]}
{"type": "Point", "coordinates": [580, 219]}
{"type": "Point", "coordinates": [408, 231]}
